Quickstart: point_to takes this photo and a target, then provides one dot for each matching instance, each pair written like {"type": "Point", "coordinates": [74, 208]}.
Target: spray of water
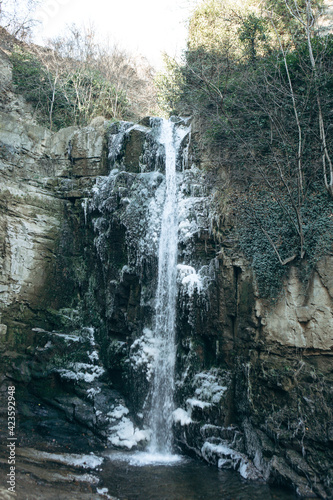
{"type": "Point", "coordinates": [163, 386]}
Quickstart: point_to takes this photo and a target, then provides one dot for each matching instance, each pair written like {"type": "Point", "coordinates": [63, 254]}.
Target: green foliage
{"type": "Point", "coordinates": [207, 26]}
{"type": "Point", "coordinates": [91, 95]}
{"type": "Point", "coordinates": [67, 97]}
{"type": "Point", "coordinates": [31, 79]}
{"type": "Point", "coordinates": [318, 225]}
{"type": "Point", "coordinates": [257, 247]}
{"type": "Point", "coordinates": [169, 84]}
{"type": "Point", "coordinates": [260, 210]}
{"type": "Point", "coordinates": [285, 22]}
{"type": "Point", "coordinates": [27, 73]}
{"type": "Point", "coordinates": [252, 33]}
{"type": "Point", "coordinates": [248, 79]}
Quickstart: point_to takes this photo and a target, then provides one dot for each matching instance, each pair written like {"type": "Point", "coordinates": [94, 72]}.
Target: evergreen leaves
{"type": "Point", "coordinates": [259, 83]}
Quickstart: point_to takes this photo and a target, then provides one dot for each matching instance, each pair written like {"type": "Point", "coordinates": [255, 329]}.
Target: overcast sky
{"type": "Point", "coordinates": [148, 27]}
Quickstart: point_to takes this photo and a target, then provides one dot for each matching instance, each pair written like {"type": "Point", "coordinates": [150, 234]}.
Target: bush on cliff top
{"type": "Point", "coordinates": [258, 79]}
{"type": "Point", "coordinates": [75, 80]}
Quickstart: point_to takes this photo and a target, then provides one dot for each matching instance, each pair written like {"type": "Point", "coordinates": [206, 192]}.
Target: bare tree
{"type": "Point", "coordinates": [16, 16]}
{"type": "Point", "coordinates": [307, 19]}
{"type": "Point", "coordinates": [124, 81]}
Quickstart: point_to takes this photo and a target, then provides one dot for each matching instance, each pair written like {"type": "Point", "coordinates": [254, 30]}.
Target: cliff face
{"type": "Point", "coordinates": [39, 186]}
{"type": "Point", "coordinates": [78, 253]}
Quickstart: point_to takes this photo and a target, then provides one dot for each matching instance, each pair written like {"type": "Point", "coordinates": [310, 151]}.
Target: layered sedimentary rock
{"type": "Point", "coordinates": [80, 222]}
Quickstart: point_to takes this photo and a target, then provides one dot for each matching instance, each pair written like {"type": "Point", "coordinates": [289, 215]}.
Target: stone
{"type": "Point", "coordinates": [145, 121]}
{"type": "Point", "coordinates": [5, 71]}
{"type": "Point", "coordinates": [3, 330]}
{"type": "Point", "coordinates": [303, 316]}
{"type": "Point", "coordinates": [281, 472]}
{"type": "Point", "coordinates": [88, 153]}
{"type": "Point", "coordinates": [325, 270]}
{"type": "Point", "coordinates": [135, 138]}
{"type": "Point", "coordinates": [70, 257]}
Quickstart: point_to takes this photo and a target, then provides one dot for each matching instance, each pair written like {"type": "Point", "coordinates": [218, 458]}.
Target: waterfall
{"type": "Point", "coordinates": [162, 391]}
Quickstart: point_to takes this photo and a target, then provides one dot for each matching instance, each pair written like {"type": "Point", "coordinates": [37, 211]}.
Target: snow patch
{"type": "Point", "coordinates": [118, 412]}
{"type": "Point", "coordinates": [93, 356]}
{"type": "Point", "coordinates": [181, 416]}
{"type": "Point", "coordinates": [91, 393]}
{"type": "Point", "coordinates": [125, 435]}
{"type": "Point", "coordinates": [81, 371]}
{"type": "Point", "coordinates": [122, 431]}
{"type": "Point", "coordinates": [227, 458]}
{"type": "Point", "coordinates": [103, 491]}
{"type": "Point", "coordinates": [84, 461]}
{"type": "Point", "coordinates": [86, 372]}
{"type": "Point", "coordinates": [65, 336]}
{"type": "Point", "coordinates": [196, 402]}
{"type": "Point", "coordinates": [186, 228]}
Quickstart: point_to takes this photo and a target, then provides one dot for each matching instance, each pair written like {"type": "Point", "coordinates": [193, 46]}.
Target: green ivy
{"type": "Point", "coordinates": [262, 211]}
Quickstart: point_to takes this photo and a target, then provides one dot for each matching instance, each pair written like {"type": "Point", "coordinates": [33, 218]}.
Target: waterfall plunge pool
{"type": "Point", "coordinates": [141, 476]}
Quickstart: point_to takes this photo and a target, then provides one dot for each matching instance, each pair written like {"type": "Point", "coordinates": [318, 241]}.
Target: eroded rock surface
{"type": "Point", "coordinates": [79, 229]}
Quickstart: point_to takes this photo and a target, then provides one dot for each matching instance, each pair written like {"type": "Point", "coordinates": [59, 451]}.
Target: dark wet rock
{"type": "Point", "coordinates": [133, 146]}
{"type": "Point", "coordinates": [80, 221]}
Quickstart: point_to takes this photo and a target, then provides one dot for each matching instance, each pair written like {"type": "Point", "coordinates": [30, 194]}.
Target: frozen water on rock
{"type": "Point", "coordinates": [81, 371]}
{"type": "Point", "coordinates": [84, 205]}
{"type": "Point", "coordinates": [118, 412]}
{"type": "Point", "coordinates": [122, 431]}
{"type": "Point", "coordinates": [142, 458]}
{"type": "Point", "coordinates": [181, 416]}
{"type": "Point", "coordinates": [189, 280]}
{"type": "Point", "coordinates": [227, 458]}
{"type": "Point", "coordinates": [209, 386]}
{"type": "Point", "coordinates": [143, 353]}
{"type": "Point", "coordinates": [116, 140]}
{"type": "Point", "coordinates": [65, 336]}
{"type": "Point", "coordinates": [76, 371]}
{"type": "Point", "coordinates": [103, 491]}
{"type": "Point", "coordinates": [93, 356]}
{"type": "Point", "coordinates": [192, 402]}
{"type": "Point", "coordinates": [84, 461]}
{"type": "Point", "coordinates": [125, 435]}
{"type": "Point", "coordinates": [92, 392]}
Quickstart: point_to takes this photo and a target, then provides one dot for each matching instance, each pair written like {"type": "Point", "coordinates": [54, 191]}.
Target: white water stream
{"type": "Point", "coordinates": [162, 405]}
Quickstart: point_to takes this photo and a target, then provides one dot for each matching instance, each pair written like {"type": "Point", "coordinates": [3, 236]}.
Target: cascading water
{"type": "Point", "coordinates": [162, 392]}
{"type": "Point", "coordinates": [146, 205]}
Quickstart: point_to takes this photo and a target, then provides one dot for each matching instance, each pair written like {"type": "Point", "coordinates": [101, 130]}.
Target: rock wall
{"type": "Point", "coordinates": [78, 254]}
{"type": "Point", "coordinates": [40, 185]}
{"type": "Point", "coordinates": [47, 350]}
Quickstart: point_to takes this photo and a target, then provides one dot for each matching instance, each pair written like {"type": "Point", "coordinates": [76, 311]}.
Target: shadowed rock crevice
{"type": "Point", "coordinates": [79, 259]}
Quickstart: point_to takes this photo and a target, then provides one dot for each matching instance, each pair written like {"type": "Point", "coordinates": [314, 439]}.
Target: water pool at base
{"type": "Point", "coordinates": [128, 477]}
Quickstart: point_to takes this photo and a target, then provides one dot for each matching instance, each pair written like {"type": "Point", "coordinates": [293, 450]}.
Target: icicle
{"type": "Point", "coordinates": [85, 209]}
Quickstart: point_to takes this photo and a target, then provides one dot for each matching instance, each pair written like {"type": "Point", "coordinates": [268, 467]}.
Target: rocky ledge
{"type": "Point", "coordinates": [78, 257]}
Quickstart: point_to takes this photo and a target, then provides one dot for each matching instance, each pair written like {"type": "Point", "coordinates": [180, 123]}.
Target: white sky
{"type": "Point", "coordinates": [148, 27]}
